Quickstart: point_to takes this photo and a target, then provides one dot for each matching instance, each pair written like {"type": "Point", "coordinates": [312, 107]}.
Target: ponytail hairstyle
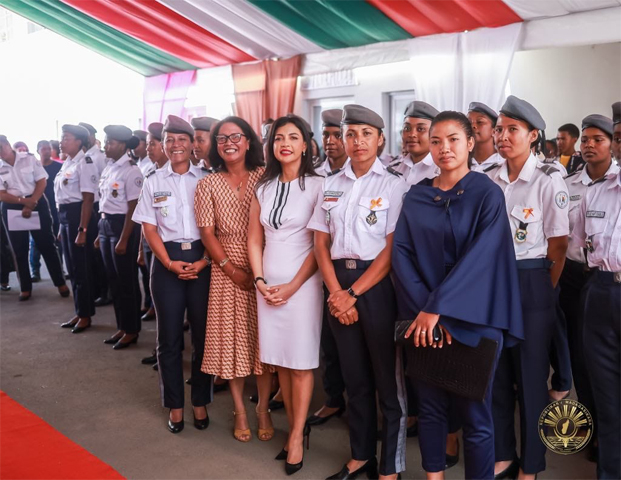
{"type": "Point", "coordinates": [461, 120]}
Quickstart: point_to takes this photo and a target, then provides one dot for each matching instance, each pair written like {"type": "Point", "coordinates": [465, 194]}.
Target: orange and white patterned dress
{"type": "Point", "coordinates": [232, 339]}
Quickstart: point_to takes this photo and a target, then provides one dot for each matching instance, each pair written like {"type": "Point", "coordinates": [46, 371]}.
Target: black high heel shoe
{"type": "Point", "coordinates": [370, 468]}
{"type": "Point", "coordinates": [120, 345]}
{"type": "Point", "coordinates": [203, 423]}
{"type": "Point", "coordinates": [175, 427]}
{"type": "Point", "coordinates": [282, 455]}
{"type": "Point", "coordinates": [291, 468]}
{"type": "Point", "coordinates": [511, 471]}
{"type": "Point", "coordinates": [452, 460]}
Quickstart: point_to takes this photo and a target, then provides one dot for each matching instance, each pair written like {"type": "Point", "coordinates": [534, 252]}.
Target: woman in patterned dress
{"type": "Point", "coordinates": [222, 207]}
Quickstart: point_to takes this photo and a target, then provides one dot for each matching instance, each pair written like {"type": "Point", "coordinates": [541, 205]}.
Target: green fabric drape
{"type": "Point", "coordinates": [334, 23]}
{"type": "Point", "coordinates": [96, 36]}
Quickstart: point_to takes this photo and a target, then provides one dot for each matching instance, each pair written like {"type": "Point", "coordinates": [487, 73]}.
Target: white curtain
{"type": "Point", "coordinates": [530, 10]}
{"type": "Point", "coordinates": [435, 66]}
{"type": "Point", "coordinates": [245, 26]}
{"type": "Point", "coordinates": [214, 90]}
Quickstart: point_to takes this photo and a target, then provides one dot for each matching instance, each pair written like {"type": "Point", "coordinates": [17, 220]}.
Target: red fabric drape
{"type": "Point", "coordinates": [282, 78]}
{"type": "Point", "coordinates": [250, 94]}
{"type": "Point", "coordinates": [165, 95]}
{"type": "Point", "coordinates": [161, 27]}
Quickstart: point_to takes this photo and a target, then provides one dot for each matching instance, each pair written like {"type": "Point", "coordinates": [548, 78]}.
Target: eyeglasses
{"type": "Point", "coordinates": [233, 137]}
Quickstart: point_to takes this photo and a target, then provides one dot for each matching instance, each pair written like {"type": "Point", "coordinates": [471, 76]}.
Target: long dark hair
{"type": "Point", "coordinates": [273, 168]}
{"type": "Point", "coordinates": [461, 120]}
{"type": "Point", "coordinates": [254, 155]}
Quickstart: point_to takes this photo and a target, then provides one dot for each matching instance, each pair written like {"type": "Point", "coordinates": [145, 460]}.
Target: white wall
{"type": "Point", "coordinates": [567, 84]}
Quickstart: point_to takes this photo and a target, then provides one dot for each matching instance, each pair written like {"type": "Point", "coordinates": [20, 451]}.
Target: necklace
{"type": "Point", "coordinates": [239, 187]}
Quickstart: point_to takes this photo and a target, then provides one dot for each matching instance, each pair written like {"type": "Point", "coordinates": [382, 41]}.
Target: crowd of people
{"type": "Point", "coordinates": [480, 232]}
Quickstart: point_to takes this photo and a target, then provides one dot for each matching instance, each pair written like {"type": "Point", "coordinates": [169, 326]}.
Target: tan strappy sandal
{"type": "Point", "coordinates": [265, 434]}
{"type": "Point", "coordinates": [240, 435]}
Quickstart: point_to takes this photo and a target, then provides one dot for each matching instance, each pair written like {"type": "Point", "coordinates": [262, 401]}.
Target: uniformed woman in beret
{"type": "Point", "coordinates": [354, 221]}
{"type": "Point", "coordinates": [22, 186]}
{"type": "Point", "coordinates": [537, 206]}
{"type": "Point", "coordinates": [75, 186]}
{"type": "Point", "coordinates": [483, 120]}
{"type": "Point", "coordinates": [119, 187]}
{"type": "Point", "coordinates": [597, 229]}
{"type": "Point", "coordinates": [180, 273]}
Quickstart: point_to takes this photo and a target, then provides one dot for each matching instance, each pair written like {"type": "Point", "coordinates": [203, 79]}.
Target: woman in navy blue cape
{"type": "Point", "coordinates": [453, 262]}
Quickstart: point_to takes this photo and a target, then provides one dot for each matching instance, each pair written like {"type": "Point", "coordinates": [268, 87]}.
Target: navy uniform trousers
{"type": "Point", "coordinates": [172, 297]}
{"type": "Point", "coordinates": [145, 271]}
{"type": "Point", "coordinates": [560, 357]}
{"type": "Point", "coordinates": [370, 364]}
{"type": "Point", "coordinates": [438, 409]}
{"type": "Point", "coordinates": [602, 351]}
{"type": "Point", "coordinates": [79, 260]}
{"type": "Point", "coordinates": [43, 238]}
{"type": "Point", "coordinates": [332, 378]}
{"type": "Point", "coordinates": [573, 280]}
{"type": "Point", "coordinates": [526, 365]}
{"type": "Point", "coordinates": [122, 271]}
{"type": "Point", "coordinates": [99, 278]}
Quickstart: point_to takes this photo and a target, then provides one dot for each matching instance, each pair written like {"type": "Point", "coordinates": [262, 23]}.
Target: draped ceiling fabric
{"type": "Point", "coordinates": [154, 37]}
{"type": "Point", "coordinates": [166, 95]}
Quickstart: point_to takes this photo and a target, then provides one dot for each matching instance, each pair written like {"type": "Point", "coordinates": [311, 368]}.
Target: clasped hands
{"type": "Point", "coordinates": [276, 295]}
{"type": "Point", "coordinates": [341, 305]}
{"type": "Point", "coordinates": [185, 270]}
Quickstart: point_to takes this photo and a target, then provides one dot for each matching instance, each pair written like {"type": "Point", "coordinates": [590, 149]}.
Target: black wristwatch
{"type": "Point", "coordinates": [259, 278]}
{"type": "Point", "coordinates": [352, 293]}
{"type": "Point", "coordinates": [81, 229]}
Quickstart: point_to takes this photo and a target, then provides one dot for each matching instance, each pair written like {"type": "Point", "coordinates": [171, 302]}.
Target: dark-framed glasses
{"type": "Point", "coordinates": [233, 137]}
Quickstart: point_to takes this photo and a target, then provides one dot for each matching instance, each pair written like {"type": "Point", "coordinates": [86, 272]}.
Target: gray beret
{"type": "Point", "coordinates": [175, 124]}
{"type": "Point", "coordinates": [519, 109]}
{"type": "Point", "coordinates": [155, 129]}
{"type": "Point", "coordinates": [91, 130]}
{"type": "Point", "coordinates": [420, 110]}
{"type": "Point", "coordinates": [332, 117]}
{"type": "Point", "coordinates": [616, 112]}
{"type": "Point", "coordinates": [141, 134]}
{"type": "Point", "coordinates": [359, 115]}
{"type": "Point", "coordinates": [484, 109]}
{"type": "Point", "coordinates": [3, 139]}
{"type": "Point", "coordinates": [204, 123]}
{"type": "Point", "coordinates": [598, 121]}
{"type": "Point", "coordinates": [77, 131]}
{"type": "Point", "coordinates": [118, 132]}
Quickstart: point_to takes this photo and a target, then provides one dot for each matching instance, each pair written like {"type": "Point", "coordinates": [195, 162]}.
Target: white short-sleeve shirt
{"type": "Point", "coordinates": [120, 182]}
{"type": "Point", "coordinates": [99, 158]}
{"type": "Point", "coordinates": [167, 201]}
{"type": "Point", "coordinates": [492, 160]}
{"type": "Point", "coordinates": [76, 176]}
{"type": "Point", "coordinates": [20, 178]}
{"type": "Point", "coordinates": [537, 205]}
{"type": "Point", "coordinates": [577, 183]}
{"type": "Point", "coordinates": [412, 172]}
{"type": "Point", "coordinates": [359, 213]}
{"type": "Point", "coordinates": [597, 226]}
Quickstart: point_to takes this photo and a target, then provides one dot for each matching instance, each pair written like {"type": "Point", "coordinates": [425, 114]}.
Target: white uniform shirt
{"type": "Point", "coordinates": [415, 172]}
{"type": "Point", "coordinates": [358, 213]}
{"type": "Point", "coordinates": [98, 157]}
{"type": "Point", "coordinates": [492, 160]}
{"type": "Point", "coordinates": [555, 162]}
{"type": "Point", "coordinates": [598, 224]}
{"type": "Point", "coordinates": [20, 179]}
{"type": "Point", "coordinates": [167, 201]}
{"type": "Point", "coordinates": [325, 170]}
{"type": "Point", "coordinates": [144, 164]}
{"type": "Point", "coordinates": [77, 175]}
{"type": "Point", "coordinates": [577, 183]}
{"type": "Point", "coordinates": [538, 201]}
{"type": "Point", "coordinates": [120, 182]}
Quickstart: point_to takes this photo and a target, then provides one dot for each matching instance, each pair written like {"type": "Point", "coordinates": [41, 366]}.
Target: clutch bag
{"type": "Point", "coordinates": [456, 368]}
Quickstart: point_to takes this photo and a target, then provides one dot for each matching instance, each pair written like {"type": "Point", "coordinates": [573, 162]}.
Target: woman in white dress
{"type": "Point", "coordinates": [289, 291]}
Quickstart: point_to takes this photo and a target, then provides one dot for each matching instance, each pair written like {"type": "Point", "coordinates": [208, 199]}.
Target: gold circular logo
{"type": "Point", "coordinates": [565, 427]}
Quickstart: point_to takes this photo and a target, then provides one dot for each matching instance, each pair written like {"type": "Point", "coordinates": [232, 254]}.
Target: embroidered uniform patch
{"type": "Point", "coordinates": [561, 199]}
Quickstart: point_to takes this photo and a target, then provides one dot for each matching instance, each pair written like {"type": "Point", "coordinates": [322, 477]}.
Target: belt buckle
{"type": "Point", "coordinates": [103, 215]}
{"type": "Point", "coordinates": [350, 264]}
{"type": "Point", "coordinates": [186, 246]}
{"type": "Point", "coordinates": [617, 277]}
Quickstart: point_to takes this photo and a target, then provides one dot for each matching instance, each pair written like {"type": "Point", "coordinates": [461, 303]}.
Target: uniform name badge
{"type": "Point", "coordinates": [372, 217]}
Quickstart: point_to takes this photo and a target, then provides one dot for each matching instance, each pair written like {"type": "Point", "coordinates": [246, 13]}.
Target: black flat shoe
{"type": "Point", "coordinates": [148, 316]}
{"type": "Point", "coordinates": [102, 302]}
{"type": "Point", "coordinates": [275, 405]}
{"type": "Point", "coordinates": [203, 423]}
{"type": "Point", "coordinates": [282, 455]}
{"type": "Point", "coordinates": [510, 472]}
{"type": "Point", "coordinates": [5, 288]}
{"type": "Point", "coordinates": [175, 427]}
{"type": "Point", "coordinates": [150, 360]}
{"type": "Point", "coordinates": [412, 431]}
{"type": "Point", "coordinates": [452, 460]}
{"type": "Point", "coordinates": [65, 293]}
{"type": "Point", "coordinates": [77, 329]}
{"type": "Point", "coordinates": [156, 368]}
{"type": "Point", "coordinates": [370, 468]}
{"type": "Point", "coordinates": [24, 298]}
{"type": "Point", "coordinates": [315, 420]}
{"type": "Point", "coordinates": [69, 324]}
{"type": "Point", "coordinates": [121, 345]}
{"type": "Point", "coordinates": [112, 340]}
{"type": "Point", "coordinates": [35, 278]}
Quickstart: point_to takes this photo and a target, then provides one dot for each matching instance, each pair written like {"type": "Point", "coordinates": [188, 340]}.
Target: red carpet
{"type": "Point", "coordinates": [31, 449]}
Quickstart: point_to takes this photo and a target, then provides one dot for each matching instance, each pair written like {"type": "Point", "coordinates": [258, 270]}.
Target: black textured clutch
{"type": "Point", "coordinates": [456, 368]}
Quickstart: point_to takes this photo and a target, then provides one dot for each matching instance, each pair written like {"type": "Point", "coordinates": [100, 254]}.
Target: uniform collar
{"type": "Point", "coordinates": [94, 149]}
{"type": "Point", "coordinates": [525, 174]}
{"type": "Point", "coordinates": [377, 167]}
{"type": "Point", "coordinates": [194, 170]}
{"type": "Point", "coordinates": [428, 160]}
{"type": "Point", "coordinates": [77, 158]}
{"type": "Point", "coordinates": [121, 161]}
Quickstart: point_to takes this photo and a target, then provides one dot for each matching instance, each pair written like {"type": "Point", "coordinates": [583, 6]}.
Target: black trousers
{"type": "Point", "coordinates": [602, 350]}
{"type": "Point", "coordinates": [45, 241]}
{"type": "Point", "coordinates": [122, 271]}
{"type": "Point", "coordinates": [78, 259]}
{"type": "Point", "coordinates": [172, 298]}
{"type": "Point", "coordinates": [99, 278]}
{"type": "Point", "coordinates": [572, 282]}
{"type": "Point", "coordinates": [6, 255]}
{"type": "Point", "coordinates": [526, 365]}
{"type": "Point", "coordinates": [332, 378]}
{"type": "Point", "coordinates": [146, 274]}
{"type": "Point", "coordinates": [370, 363]}
{"type": "Point", "coordinates": [560, 358]}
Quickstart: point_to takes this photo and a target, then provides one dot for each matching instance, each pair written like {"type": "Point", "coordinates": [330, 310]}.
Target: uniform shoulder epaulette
{"type": "Point", "coordinates": [152, 172]}
{"type": "Point", "coordinates": [389, 169]}
{"type": "Point", "coordinates": [491, 167]}
{"type": "Point", "coordinates": [394, 163]}
{"type": "Point", "coordinates": [548, 161]}
{"type": "Point", "coordinates": [575, 172]}
{"type": "Point", "coordinates": [88, 159]}
{"type": "Point", "coordinates": [133, 162]}
{"type": "Point", "coordinates": [549, 169]}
